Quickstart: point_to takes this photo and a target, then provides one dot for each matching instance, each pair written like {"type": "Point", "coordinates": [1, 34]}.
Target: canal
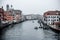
{"type": "Point", "coordinates": [26, 31]}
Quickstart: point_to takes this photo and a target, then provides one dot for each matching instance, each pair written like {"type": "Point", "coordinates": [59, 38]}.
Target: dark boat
{"type": "Point", "coordinates": [36, 28]}
{"type": "Point", "coordinates": [40, 27]}
{"type": "Point", "coordinates": [2, 26]}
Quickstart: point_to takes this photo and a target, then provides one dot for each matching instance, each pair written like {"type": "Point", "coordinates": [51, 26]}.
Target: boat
{"type": "Point", "coordinates": [55, 27]}
{"type": "Point", "coordinates": [2, 26]}
{"type": "Point", "coordinates": [36, 28]}
{"type": "Point", "coordinates": [4, 22]}
{"type": "Point", "coordinates": [56, 30]}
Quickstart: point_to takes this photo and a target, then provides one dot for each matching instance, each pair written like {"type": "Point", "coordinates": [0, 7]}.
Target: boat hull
{"type": "Point", "coordinates": [55, 30]}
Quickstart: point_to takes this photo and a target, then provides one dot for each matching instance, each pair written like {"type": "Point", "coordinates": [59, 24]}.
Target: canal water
{"type": "Point", "coordinates": [26, 31]}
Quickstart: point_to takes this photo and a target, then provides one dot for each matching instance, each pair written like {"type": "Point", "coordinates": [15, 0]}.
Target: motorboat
{"type": "Point", "coordinates": [36, 28]}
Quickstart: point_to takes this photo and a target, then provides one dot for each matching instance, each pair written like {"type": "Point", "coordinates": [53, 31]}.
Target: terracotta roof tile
{"type": "Point", "coordinates": [52, 13]}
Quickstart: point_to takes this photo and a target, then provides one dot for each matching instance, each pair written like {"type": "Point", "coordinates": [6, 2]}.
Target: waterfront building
{"type": "Point", "coordinates": [1, 15]}
{"type": "Point", "coordinates": [8, 17]}
{"type": "Point", "coordinates": [23, 18]}
{"type": "Point", "coordinates": [33, 16]}
{"type": "Point", "coordinates": [28, 17]}
{"type": "Point", "coordinates": [52, 17]}
{"type": "Point", "coordinates": [17, 14]}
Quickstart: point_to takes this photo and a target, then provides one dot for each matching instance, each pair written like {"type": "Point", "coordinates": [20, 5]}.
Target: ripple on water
{"type": "Point", "coordinates": [26, 31]}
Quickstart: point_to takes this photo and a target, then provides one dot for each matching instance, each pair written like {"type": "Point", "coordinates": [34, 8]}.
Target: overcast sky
{"type": "Point", "coordinates": [32, 6]}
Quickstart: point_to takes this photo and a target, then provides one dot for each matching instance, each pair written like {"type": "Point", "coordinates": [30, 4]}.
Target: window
{"type": "Point", "coordinates": [54, 20]}
{"type": "Point", "coordinates": [51, 16]}
{"type": "Point", "coordinates": [54, 16]}
{"type": "Point", "coordinates": [48, 19]}
{"type": "Point", "coordinates": [0, 15]}
{"type": "Point", "coordinates": [57, 16]}
{"type": "Point", "coordinates": [48, 16]}
{"type": "Point", "coordinates": [57, 20]}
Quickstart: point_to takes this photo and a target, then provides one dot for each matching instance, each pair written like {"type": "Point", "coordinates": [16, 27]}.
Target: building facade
{"type": "Point", "coordinates": [17, 14]}
{"type": "Point", "coordinates": [51, 17]}
{"type": "Point", "coordinates": [1, 14]}
{"type": "Point", "coordinates": [8, 16]}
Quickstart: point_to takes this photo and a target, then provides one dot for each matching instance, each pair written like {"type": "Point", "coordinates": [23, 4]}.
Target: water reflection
{"type": "Point", "coordinates": [26, 31]}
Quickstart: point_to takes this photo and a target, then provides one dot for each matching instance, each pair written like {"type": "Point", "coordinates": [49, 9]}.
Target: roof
{"type": "Point", "coordinates": [52, 13]}
{"type": "Point", "coordinates": [16, 11]}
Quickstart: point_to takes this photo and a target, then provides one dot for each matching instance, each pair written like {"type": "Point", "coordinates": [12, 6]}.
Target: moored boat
{"type": "Point", "coordinates": [55, 27]}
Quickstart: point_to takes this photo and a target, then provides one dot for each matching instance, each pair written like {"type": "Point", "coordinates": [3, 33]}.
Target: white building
{"type": "Point", "coordinates": [33, 16]}
{"type": "Point", "coordinates": [51, 17]}
{"type": "Point", "coordinates": [28, 17]}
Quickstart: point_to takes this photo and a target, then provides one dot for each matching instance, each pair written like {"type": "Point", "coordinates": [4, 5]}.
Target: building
{"type": "Point", "coordinates": [51, 17]}
{"type": "Point", "coordinates": [28, 17]}
{"type": "Point", "coordinates": [33, 16]}
{"type": "Point", "coordinates": [23, 18]}
{"type": "Point", "coordinates": [8, 16]}
{"type": "Point", "coordinates": [1, 14]}
{"type": "Point", "coordinates": [17, 14]}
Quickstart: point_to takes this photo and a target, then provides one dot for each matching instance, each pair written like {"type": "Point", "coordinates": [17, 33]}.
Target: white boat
{"type": "Point", "coordinates": [3, 22]}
